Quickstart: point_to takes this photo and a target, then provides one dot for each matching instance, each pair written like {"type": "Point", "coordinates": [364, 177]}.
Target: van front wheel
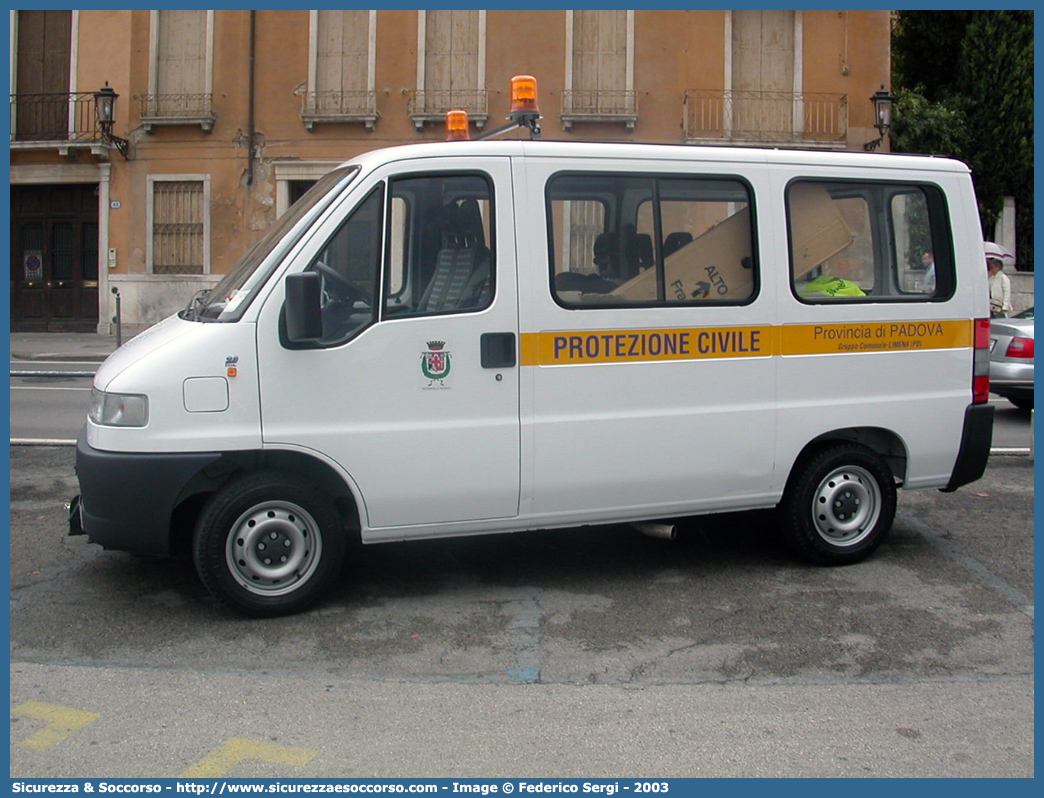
{"type": "Point", "coordinates": [268, 544]}
{"type": "Point", "coordinates": [839, 505]}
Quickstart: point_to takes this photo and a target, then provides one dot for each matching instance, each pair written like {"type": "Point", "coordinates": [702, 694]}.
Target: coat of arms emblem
{"type": "Point", "coordinates": [435, 365]}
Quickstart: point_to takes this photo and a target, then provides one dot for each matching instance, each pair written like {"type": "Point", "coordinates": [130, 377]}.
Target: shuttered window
{"type": "Point", "coordinates": [451, 51]}
{"type": "Point", "coordinates": [181, 54]}
{"type": "Point", "coordinates": [44, 41]}
{"type": "Point", "coordinates": [763, 73]}
{"type": "Point", "coordinates": [180, 222]}
{"type": "Point", "coordinates": [599, 50]}
{"type": "Point", "coordinates": [451, 68]}
{"type": "Point", "coordinates": [42, 73]}
{"type": "Point", "coordinates": [600, 69]}
{"type": "Point", "coordinates": [342, 56]}
{"type": "Point", "coordinates": [341, 68]}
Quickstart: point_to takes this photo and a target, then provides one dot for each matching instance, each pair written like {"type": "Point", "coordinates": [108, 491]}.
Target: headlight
{"type": "Point", "coordinates": [119, 409]}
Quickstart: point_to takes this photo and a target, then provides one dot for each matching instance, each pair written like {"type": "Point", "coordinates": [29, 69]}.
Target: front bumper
{"type": "Point", "coordinates": [127, 500]}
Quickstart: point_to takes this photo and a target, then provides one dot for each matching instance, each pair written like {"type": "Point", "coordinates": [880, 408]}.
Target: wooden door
{"type": "Point", "coordinates": [54, 258]}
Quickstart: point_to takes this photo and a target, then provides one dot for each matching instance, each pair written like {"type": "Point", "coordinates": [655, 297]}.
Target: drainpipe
{"type": "Point", "coordinates": [250, 105]}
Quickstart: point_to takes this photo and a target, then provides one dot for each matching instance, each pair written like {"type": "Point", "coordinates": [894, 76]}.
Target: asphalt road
{"type": "Point", "coordinates": [46, 406]}
{"type": "Point", "coordinates": [587, 652]}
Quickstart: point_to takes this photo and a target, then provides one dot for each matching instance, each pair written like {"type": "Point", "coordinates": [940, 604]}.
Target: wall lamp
{"type": "Point", "coordinates": [882, 101]}
{"type": "Point", "coordinates": [105, 108]}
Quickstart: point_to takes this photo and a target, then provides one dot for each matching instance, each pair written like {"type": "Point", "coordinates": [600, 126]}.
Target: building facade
{"type": "Point", "coordinates": [223, 118]}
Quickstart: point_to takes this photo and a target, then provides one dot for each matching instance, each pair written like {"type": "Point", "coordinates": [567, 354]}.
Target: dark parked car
{"type": "Point", "coordinates": [1011, 358]}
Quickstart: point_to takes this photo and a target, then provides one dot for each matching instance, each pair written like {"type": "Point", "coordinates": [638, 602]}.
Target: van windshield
{"type": "Point", "coordinates": [232, 295]}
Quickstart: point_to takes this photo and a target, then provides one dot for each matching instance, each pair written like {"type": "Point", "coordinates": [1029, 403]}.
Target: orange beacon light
{"type": "Point", "coordinates": [523, 110]}
{"type": "Point", "coordinates": [523, 96]}
{"type": "Point", "coordinates": [457, 126]}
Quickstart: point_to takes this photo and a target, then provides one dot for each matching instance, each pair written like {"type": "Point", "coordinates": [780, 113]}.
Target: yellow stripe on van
{"type": "Point", "coordinates": [882, 336]}
{"type": "Point", "coordinates": [699, 343]}
{"type": "Point", "coordinates": [638, 346]}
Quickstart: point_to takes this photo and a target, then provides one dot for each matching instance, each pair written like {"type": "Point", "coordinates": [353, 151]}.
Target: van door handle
{"type": "Point", "coordinates": [498, 350]}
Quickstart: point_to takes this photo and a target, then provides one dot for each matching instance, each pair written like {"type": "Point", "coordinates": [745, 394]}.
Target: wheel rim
{"type": "Point", "coordinates": [846, 506]}
{"type": "Point", "coordinates": [273, 548]}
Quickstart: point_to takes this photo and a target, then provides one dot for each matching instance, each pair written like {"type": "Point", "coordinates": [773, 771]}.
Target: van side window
{"type": "Point", "coordinates": [854, 241]}
{"type": "Point", "coordinates": [440, 245]}
{"type": "Point", "coordinates": [349, 265]}
{"type": "Point", "coordinates": [627, 240]}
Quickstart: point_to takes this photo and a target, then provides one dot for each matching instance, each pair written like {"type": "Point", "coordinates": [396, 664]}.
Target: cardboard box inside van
{"type": "Point", "coordinates": [718, 264]}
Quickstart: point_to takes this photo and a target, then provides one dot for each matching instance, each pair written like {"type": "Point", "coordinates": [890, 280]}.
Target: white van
{"type": "Point", "coordinates": [490, 336]}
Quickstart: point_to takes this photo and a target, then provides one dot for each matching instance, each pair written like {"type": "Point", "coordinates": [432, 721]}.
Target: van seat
{"type": "Point", "coordinates": [461, 279]}
{"type": "Point", "coordinates": [675, 241]}
{"type": "Point", "coordinates": [604, 251]}
{"type": "Point", "coordinates": [640, 250]}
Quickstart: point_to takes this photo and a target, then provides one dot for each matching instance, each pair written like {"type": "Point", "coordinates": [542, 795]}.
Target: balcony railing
{"type": "Point", "coordinates": [339, 106]}
{"type": "Point", "coordinates": [599, 105]}
{"type": "Point", "coordinates": [177, 109]}
{"type": "Point", "coordinates": [431, 105]}
{"type": "Point", "coordinates": [766, 117]}
{"type": "Point", "coordinates": [64, 117]}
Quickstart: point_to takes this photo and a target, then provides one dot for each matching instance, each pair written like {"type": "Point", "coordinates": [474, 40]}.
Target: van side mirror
{"type": "Point", "coordinates": [304, 318]}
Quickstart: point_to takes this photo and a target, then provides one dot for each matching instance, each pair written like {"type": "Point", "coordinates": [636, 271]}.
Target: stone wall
{"type": "Point", "coordinates": [1021, 290]}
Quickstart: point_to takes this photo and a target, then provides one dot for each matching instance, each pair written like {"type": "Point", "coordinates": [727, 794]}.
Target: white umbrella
{"type": "Point", "coordinates": [997, 252]}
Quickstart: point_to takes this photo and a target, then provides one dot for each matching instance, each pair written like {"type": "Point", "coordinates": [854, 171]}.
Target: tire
{"type": "Point", "coordinates": [839, 505]}
{"type": "Point", "coordinates": [262, 513]}
{"type": "Point", "coordinates": [1022, 402]}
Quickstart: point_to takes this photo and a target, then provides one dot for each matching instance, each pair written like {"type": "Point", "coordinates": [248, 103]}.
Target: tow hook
{"type": "Point", "coordinates": [72, 507]}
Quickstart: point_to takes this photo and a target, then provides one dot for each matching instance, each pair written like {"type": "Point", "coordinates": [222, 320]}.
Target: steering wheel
{"type": "Point", "coordinates": [350, 288]}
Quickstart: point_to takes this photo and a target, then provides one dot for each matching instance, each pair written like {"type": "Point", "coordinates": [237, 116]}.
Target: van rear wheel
{"type": "Point", "coordinates": [839, 505]}
{"type": "Point", "coordinates": [268, 544]}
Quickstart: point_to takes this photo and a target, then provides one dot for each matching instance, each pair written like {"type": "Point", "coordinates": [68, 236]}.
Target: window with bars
{"type": "Point", "coordinates": [179, 221]}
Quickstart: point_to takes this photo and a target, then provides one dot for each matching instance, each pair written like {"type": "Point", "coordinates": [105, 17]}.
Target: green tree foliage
{"type": "Point", "coordinates": [963, 82]}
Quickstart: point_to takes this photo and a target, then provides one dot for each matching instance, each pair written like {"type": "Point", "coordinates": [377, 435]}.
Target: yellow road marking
{"type": "Point", "coordinates": [220, 762]}
{"type": "Point", "coordinates": [62, 722]}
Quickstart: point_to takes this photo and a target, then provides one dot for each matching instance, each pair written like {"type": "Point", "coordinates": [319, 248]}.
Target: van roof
{"type": "Point", "coordinates": [667, 152]}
